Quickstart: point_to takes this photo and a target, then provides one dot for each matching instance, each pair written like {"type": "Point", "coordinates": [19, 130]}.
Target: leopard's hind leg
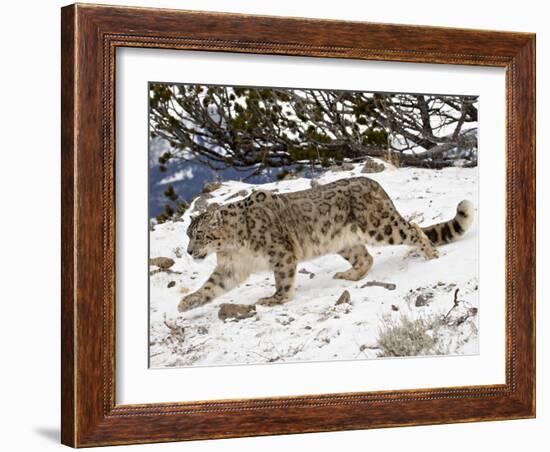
{"type": "Point", "coordinates": [382, 224]}
{"type": "Point", "coordinates": [361, 262]}
{"type": "Point", "coordinates": [402, 232]}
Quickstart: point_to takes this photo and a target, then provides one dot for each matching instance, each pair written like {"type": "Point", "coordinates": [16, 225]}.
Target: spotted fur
{"type": "Point", "coordinates": [268, 231]}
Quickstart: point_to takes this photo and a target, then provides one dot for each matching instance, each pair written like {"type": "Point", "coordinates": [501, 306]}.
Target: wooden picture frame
{"type": "Point", "coordinates": [90, 37]}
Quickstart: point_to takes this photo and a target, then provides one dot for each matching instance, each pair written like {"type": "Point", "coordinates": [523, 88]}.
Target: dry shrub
{"type": "Point", "coordinates": [410, 337]}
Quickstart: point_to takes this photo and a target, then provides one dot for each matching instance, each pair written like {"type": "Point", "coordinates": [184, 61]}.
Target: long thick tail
{"type": "Point", "coordinates": [449, 231]}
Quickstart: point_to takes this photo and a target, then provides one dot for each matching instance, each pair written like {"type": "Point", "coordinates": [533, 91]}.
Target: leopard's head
{"type": "Point", "coordinates": [206, 233]}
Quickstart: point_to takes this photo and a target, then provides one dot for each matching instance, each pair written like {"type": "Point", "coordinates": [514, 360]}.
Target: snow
{"type": "Point", "coordinates": [311, 327]}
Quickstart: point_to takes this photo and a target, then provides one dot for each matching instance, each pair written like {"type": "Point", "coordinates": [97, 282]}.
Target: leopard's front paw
{"type": "Point", "coordinates": [191, 301]}
{"type": "Point", "coordinates": [274, 300]}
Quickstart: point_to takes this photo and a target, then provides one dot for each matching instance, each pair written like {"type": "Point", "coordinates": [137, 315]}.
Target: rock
{"type": "Point", "coordinates": [239, 193]}
{"type": "Point", "coordinates": [163, 263]}
{"type": "Point", "coordinates": [394, 307]}
{"type": "Point", "coordinates": [236, 312]}
{"type": "Point", "coordinates": [343, 167]}
{"type": "Point", "coordinates": [423, 299]}
{"type": "Point", "coordinates": [202, 330]}
{"type": "Point", "coordinates": [285, 320]}
{"type": "Point", "coordinates": [389, 286]}
{"type": "Point", "coordinates": [372, 166]}
{"type": "Point", "coordinates": [290, 176]}
{"type": "Point", "coordinates": [306, 272]}
{"type": "Point", "coordinates": [344, 298]}
{"type": "Point", "coordinates": [171, 284]}
{"type": "Point", "coordinates": [209, 187]}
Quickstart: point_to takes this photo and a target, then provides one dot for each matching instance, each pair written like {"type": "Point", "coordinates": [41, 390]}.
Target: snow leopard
{"type": "Point", "coordinates": [275, 231]}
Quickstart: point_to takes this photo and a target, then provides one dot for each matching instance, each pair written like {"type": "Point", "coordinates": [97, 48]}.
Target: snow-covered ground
{"type": "Point", "coordinates": [312, 327]}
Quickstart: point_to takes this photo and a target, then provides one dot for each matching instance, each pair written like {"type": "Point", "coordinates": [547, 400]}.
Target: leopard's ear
{"type": "Point", "coordinates": [217, 219]}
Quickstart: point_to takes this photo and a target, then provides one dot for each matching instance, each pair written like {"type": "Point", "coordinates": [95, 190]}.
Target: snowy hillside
{"type": "Point", "coordinates": [312, 327]}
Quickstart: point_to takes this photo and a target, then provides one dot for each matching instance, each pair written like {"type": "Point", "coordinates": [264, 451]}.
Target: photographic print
{"type": "Point", "coordinates": [300, 225]}
{"type": "Point", "coordinates": [292, 206]}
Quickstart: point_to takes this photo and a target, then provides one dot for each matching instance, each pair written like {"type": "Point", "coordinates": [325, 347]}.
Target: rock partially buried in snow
{"type": "Point", "coordinates": [163, 263]}
{"type": "Point", "coordinates": [290, 175]}
{"type": "Point", "coordinates": [372, 166]}
{"type": "Point", "coordinates": [202, 330]}
{"type": "Point", "coordinates": [285, 320]}
{"type": "Point", "coordinates": [389, 286]}
{"type": "Point", "coordinates": [344, 298]}
{"type": "Point", "coordinates": [346, 166]}
{"type": "Point", "coordinates": [307, 272]}
{"type": "Point", "coordinates": [236, 312]}
{"type": "Point", "coordinates": [241, 193]}
{"type": "Point", "coordinates": [209, 187]}
{"type": "Point", "coordinates": [423, 299]}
